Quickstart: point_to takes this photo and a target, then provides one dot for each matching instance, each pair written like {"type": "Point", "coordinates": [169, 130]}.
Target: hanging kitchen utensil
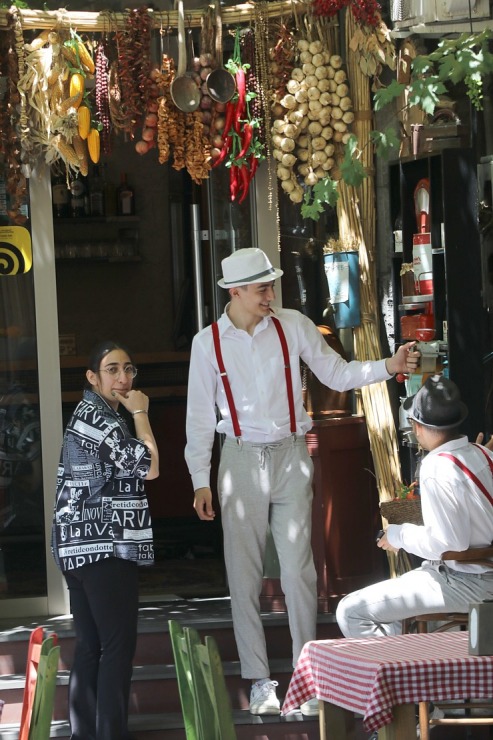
{"type": "Point", "coordinates": [184, 91]}
{"type": "Point", "coordinates": [220, 83]}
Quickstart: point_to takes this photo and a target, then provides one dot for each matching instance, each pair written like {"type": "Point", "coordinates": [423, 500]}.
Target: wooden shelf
{"type": "Point", "coordinates": [78, 260]}
{"type": "Point", "coordinates": [96, 220]}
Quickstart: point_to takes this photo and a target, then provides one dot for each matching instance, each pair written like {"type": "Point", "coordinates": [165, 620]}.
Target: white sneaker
{"type": "Point", "coordinates": [310, 708]}
{"type": "Point", "coordinates": [263, 698]}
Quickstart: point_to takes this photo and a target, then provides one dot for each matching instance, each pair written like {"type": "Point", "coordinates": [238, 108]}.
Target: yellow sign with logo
{"type": "Point", "coordinates": [16, 254]}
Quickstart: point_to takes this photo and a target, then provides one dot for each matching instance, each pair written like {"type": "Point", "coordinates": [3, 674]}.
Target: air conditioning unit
{"type": "Point", "coordinates": [419, 14]}
{"type": "Point", "coordinates": [413, 11]}
{"type": "Point", "coordinates": [458, 10]}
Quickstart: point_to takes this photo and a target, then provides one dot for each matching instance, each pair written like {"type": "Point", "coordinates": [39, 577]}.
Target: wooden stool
{"type": "Point", "coordinates": [450, 620]}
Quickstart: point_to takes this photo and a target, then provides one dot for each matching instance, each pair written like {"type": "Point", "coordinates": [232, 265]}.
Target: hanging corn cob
{"type": "Point", "coordinates": [84, 121]}
{"type": "Point", "coordinates": [93, 145]}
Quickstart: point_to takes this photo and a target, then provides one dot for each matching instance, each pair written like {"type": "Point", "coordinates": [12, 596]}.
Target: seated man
{"type": "Point", "coordinates": [456, 484]}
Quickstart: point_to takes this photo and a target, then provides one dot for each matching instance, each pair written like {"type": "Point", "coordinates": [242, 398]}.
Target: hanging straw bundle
{"type": "Point", "coordinates": [356, 214]}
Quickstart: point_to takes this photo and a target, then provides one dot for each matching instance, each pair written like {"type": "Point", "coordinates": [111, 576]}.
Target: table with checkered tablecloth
{"type": "Point", "coordinates": [373, 676]}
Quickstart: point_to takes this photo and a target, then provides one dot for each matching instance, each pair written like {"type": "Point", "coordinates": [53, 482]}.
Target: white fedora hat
{"type": "Point", "coordinates": [247, 266]}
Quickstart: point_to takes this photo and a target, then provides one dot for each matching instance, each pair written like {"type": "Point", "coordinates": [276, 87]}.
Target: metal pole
{"type": "Point", "coordinates": [198, 278]}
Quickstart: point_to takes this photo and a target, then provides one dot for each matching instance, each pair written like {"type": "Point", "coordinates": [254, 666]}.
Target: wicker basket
{"type": "Point", "coordinates": [401, 511]}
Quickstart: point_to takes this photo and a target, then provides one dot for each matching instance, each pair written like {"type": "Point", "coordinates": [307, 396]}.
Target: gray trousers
{"type": "Point", "coordinates": [434, 587]}
{"type": "Point", "coordinates": [261, 485]}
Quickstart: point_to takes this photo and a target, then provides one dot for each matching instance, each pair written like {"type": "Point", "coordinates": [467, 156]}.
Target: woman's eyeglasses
{"type": "Point", "coordinates": [115, 370]}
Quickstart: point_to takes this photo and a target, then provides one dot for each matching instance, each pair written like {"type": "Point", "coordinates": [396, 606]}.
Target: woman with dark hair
{"type": "Point", "coordinates": [101, 533]}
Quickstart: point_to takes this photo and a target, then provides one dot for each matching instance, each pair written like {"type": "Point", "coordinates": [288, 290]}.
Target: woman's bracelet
{"type": "Point", "coordinates": [139, 411]}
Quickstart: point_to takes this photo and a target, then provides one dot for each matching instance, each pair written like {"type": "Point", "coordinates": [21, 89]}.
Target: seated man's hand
{"type": "Point", "coordinates": [385, 544]}
{"type": "Point", "coordinates": [479, 441]}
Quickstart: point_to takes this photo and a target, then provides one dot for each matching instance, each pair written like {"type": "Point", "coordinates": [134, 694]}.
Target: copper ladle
{"type": "Point", "coordinates": [220, 83]}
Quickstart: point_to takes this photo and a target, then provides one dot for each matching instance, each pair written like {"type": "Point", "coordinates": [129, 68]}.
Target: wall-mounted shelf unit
{"type": "Point", "coordinates": [455, 240]}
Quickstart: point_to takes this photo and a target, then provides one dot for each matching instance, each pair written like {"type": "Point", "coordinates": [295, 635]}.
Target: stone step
{"type": "Point", "coordinates": [169, 726]}
{"type": "Point", "coordinates": [154, 688]}
{"type": "Point", "coordinates": [155, 710]}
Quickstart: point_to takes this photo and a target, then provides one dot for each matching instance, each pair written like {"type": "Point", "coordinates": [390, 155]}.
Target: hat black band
{"type": "Point", "coordinates": [252, 278]}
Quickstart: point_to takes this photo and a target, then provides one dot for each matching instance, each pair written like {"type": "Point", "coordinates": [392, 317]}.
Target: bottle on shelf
{"type": "Point", "coordinates": [78, 196]}
{"type": "Point", "coordinates": [125, 197]}
{"type": "Point", "coordinates": [60, 196]}
{"type": "Point", "coordinates": [96, 193]}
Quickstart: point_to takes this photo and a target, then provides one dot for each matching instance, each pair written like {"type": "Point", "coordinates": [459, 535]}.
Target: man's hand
{"type": "Point", "coordinates": [203, 504]}
{"type": "Point", "coordinates": [385, 544]}
{"type": "Point", "coordinates": [405, 360]}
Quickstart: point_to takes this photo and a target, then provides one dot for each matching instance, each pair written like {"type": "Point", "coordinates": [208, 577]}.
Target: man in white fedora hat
{"type": "Point", "coordinates": [247, 366]}
{"type": "Point", "coordinates": [456, 487]}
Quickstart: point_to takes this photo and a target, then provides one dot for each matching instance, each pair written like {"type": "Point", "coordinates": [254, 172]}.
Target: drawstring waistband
{"type": "Point", "coordinates": [265, 450]}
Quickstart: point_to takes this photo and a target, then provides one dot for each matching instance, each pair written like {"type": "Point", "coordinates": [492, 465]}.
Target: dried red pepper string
{"type": "Point", "coordinates": [239, 132]}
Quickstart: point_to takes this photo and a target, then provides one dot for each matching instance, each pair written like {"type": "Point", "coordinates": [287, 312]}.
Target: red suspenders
{"type": "Point", "coordinates": [287, 372]}
{"type": "Point", "coordinates": [224, 378]}
{"type": "Point", "coordinates": [227, 386]}
{"type": "Point", "coordinates": [469, 473]}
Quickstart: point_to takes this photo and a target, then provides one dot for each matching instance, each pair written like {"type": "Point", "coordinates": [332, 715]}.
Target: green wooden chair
{"type": "Point", "coordinates": [214, 702]}
{"type": "Point", "coordinates": [40, 686]}
{"type": "Point", "coordinates": [44, 695]}
{"type": "Point", "coordinates": [205, 700]}
{"type": "Point", "coordinates": [184, 679]}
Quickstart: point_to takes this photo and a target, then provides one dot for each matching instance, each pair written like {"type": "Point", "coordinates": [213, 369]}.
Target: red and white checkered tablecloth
{"type": "Point", "coordinates": [369, 676]}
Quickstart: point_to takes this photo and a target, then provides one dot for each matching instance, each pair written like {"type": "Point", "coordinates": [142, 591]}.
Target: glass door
{"type": "Point", "coordinates": [22, 525]}
{"type": "Point", "coordinates": [234, 226]}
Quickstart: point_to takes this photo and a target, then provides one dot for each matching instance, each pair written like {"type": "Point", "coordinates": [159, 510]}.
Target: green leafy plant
{"type": "Point", "coordinates": [316, 197]}
{"type": "Point", "coordinates": [16, 3]}
{"type": "Point", "coordinates": [408, 492]}
{"type": "Point", "coordinates": [464, 59]}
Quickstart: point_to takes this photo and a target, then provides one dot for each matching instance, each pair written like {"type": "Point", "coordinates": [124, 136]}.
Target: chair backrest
{"type": "Point", "coordinates": [213, 701]}
{"type": "Point", "coordinates": [184, 678]}
{"type": "Point", "coordinates": [44, 695]}
{"type": "Point", "coordinates": [204, 696]}
{"type": "Point", "coordinates": [38, 651]}
{"type": "Point", "coordinates": [473, 555]}
{"type": "Point", "coordinates": [203, 687]}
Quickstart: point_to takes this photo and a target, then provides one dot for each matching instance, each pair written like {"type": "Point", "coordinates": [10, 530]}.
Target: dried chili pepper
{"type": "Point", "coordinates": [228, 119]}
{"type": "Point", "coordinates": [224, 152]}
{"type": "Point", "coordinates": [233, 181]}
{"type": "Point", "coordinates": [246, 139]}
{"type": "Point", "coordinates": [254, 162]}
{"type": "Point", "coordinates": [244, 173]}
{"type": "Point", "coordinates": [241, 102]}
